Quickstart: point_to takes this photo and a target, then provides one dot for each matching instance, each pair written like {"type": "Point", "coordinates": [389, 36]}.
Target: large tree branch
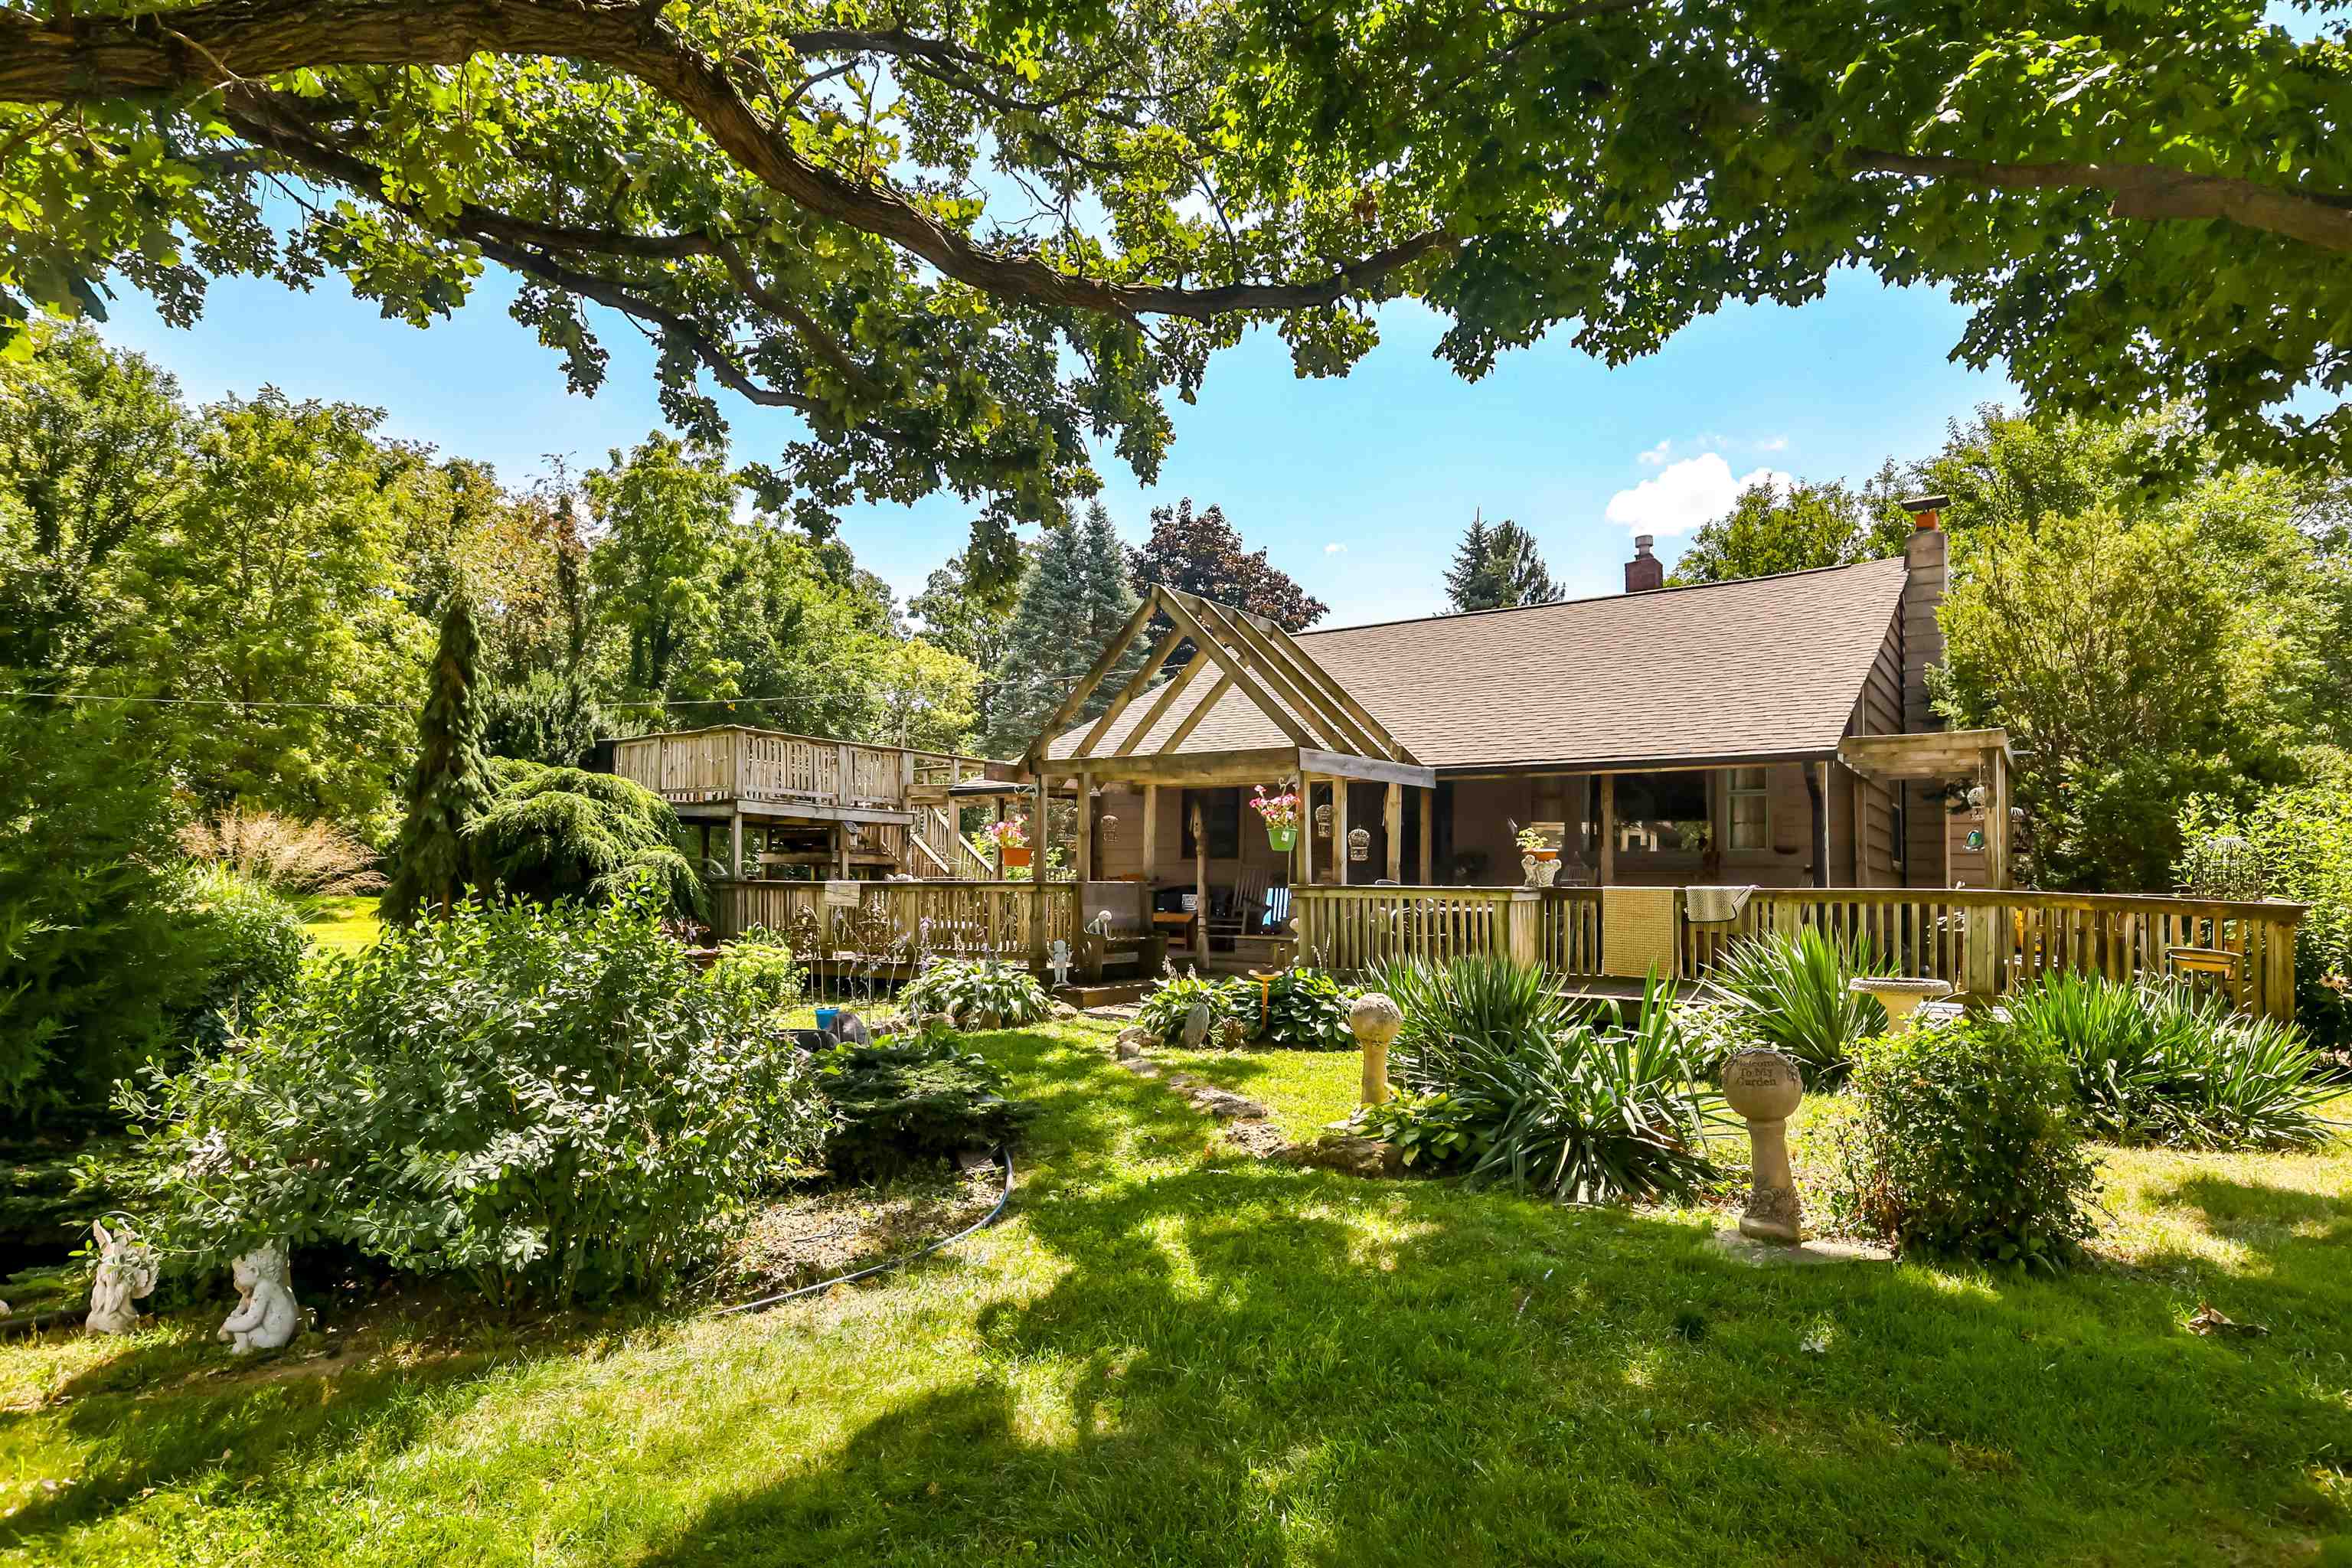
{"type": "Point", "coordinates": [2146, 191]}
{"type": "Point", "coordinates": [200, 49]}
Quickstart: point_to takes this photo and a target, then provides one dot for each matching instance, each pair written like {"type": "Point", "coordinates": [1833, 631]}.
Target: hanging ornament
{"type": "Point", "coordinates": [1360, 844]}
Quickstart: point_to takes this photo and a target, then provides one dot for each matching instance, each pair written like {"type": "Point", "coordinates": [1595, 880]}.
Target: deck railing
{"type": "Point", "coordinates": [772, 767]}
{"type": "Point", "coordinates": [896, 922]}
{"type": "Point", "coordinates": [1987, 943]}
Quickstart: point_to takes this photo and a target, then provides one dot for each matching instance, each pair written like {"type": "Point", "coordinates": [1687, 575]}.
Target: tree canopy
{"type": "Point", "coordinates": [1798, 528]}
{"type": "Point", "coordinates": [1073, 601]}
{"type": "Point", "coordinates": [1498, 568]}
{"type": "Point", "coordinates": [1201, 552]}
{"type": "Point", "coordinates": [962, 243]}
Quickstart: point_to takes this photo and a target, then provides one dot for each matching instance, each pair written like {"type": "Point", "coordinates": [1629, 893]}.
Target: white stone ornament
{"type": "Point", "coordinates": [267, 1316]}
{"type": "Point", "coordinates": [126, 1273]}
{"type": "Point", "coordinates": [1061, 961]}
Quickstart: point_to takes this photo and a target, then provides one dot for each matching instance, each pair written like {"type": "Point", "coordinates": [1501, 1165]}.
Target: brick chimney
{"type": "Point", "coordinates": [1923, 591]}
{"type": "Point", "coordinates": [1645, 571]}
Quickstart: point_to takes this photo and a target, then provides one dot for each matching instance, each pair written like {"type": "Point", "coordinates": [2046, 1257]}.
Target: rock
{"type": "Point", "coordinates": [1133, 1042]}
{"type": "Point", "coordinates": [989, 1019]}
{"type": "Point", "coordinates": [936, 1021]}
{"type": "Point", "coordinates": [1224, 1102]}
{"type": "Point", "coordinates": [1350, 1154]}
{"type": "Point", "coordinates": [1063, 1010]}
{"type": "Point", "coordinates": [1231, 1034]}
{"type": "Point", "coordinates": [1196, 1027]}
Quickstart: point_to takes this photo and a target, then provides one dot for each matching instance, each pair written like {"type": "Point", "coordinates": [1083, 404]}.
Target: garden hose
{"type": "Point", "coordinates": [990, 1217]}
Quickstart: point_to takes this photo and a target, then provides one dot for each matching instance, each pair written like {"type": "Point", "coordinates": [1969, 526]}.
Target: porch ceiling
{"type": "Point", "coordinates": [1932, 754]}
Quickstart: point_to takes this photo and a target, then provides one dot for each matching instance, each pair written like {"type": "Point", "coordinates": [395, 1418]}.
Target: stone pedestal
{"type": "Point", "coordinates": [1375, 1021]}
{"type": "Point", "coordinates": [1765, 1088]}
{"type": "Point", "coordinates": [1900, 997]}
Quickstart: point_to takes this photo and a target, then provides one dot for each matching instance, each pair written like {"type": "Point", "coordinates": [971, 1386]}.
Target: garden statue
{"type": "Point", "coordinates": [1060, 960]}
{"type": "Point", "coordinates": [1196, 1027]}
{"type": "Point", "coordinates": [1375, 1021]}
{"type": "Point", "coordinates": [266, 1317]}
{"type": "Point", "coordinates": [1765, 1087]}
{"type": "Point", "coordinates": [126, 1273]}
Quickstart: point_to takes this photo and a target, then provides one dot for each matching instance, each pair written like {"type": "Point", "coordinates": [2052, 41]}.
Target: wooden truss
{"type": "Point", "coordinates": [1329, 731]}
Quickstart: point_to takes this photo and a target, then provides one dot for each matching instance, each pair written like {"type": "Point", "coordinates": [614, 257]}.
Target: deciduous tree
{"type": "Point", "coordinates": [1770, 529]}
{"type": "Point", "coordinates": [1202, 553]}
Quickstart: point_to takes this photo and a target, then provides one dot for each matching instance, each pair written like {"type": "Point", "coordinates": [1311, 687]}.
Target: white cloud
{"type": "Point", "coordinates": [1335, 549]}
{"type": "Point", "coordinates": [1656, 456]}
{"type": "Point", "coordinates": [1773, 444]}
{"type": "Point", "coordinates": [1685, 495]}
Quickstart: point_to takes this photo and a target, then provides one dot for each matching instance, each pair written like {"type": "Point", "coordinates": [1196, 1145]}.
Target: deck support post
{"type": "Point", "coordinates": [1340, 861]}
{"type": "Point", "coordinates": [1039, 833]}
{"type": "Point", "coordinates": [1086, 846]}
{"type": "Point", "coordinates": [1305, 875]}
{"type": "Point", "coordinates": [734, 845]}
{"type": "Point", "coordinates": [1150, 845]}
{"type": "Point", "coordinates": [1199, 888]}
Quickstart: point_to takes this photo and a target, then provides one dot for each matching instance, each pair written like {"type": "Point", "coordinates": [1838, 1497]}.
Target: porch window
{"type": "Point", "coordinates": [1655, 811]}
{"type": "Point", "coordinates": [1221, 817]}
{"type": "Point", "coordinates": [1752, 824]}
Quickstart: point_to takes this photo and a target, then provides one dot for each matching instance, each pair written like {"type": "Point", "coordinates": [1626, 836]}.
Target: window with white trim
{"type": "Point", "coordinates": [1749, 791]}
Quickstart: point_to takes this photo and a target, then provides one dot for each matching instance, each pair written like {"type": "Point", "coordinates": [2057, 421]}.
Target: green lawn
{"type": "Point", "coordinates": [344, 924]}
{"type": "Point", "coordinates": [1171, 1354]}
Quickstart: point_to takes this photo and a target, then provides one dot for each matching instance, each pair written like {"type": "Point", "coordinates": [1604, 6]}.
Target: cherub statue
{"type": "Point", "coordinates": [126, 1273]}
{"type": "Point", "coordinates": [1060, 959]}
{"type": "Point", "coordinates": [266, 1315]}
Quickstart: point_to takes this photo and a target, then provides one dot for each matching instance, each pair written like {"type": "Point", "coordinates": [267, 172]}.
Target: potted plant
{"type": "Point", "coordinates": [1538, 857]}
{"type": "Point", "coordinates": [1008, 840]}
{"type": "Point", "coordinates": [1281, 814]}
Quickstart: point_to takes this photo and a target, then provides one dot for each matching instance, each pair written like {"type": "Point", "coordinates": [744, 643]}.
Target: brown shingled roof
{"type": "Point", "coordinates": [1765, 667]}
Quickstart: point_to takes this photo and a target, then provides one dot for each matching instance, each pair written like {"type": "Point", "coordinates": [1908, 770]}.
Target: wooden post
{"type": "Point", "coordinates": [1429, 837]}
{"type": "Point", "coordinates": [1522, 925]}
{"type": "Point", "coordinates": [843, 772]}
{"type": "Point", "coordinates": [1151, 845]}
{"type": "Point", "coordinates": [1341, 864]}
{"type": "Point", "coordinates": [2000, 872]}
{"type": "Point", "coordinates": [1199, 888]}
{"type": "Point", "coordinates": [841, 849]}
{"type": "Point", "coordinates": [1606, 872]}
{"type": "Point", "coordinates": [997, 848]}
{"type": "Point", "coordinates": [1306, 877]}
{"type": "Point", "coordinates": [1392, 829]}
{"type": "Point", "coordinates": [1086, 846]}
{"type": "Point", "coordinates": [1038, 833]}
{"type": "Point", "coordinates": [1817, 784]}
{"type": "Point", "coordinates": [734, 845]}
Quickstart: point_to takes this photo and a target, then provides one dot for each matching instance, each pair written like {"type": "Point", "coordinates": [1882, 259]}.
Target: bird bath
{"type": "Point", "coordinates": [1900, 996]}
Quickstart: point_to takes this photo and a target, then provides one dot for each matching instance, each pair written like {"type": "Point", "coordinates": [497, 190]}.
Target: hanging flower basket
{"type": "Point", "coordinates": [1280, 813]}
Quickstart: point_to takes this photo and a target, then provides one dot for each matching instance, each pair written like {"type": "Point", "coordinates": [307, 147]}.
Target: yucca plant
{"type": "Point", "coordinates": [1791, 995]}
{"type": "Point", "coordinates": [2158, 1062]}
{"type": "Point", "coordinates": [1499, 1005]}
{"type": "Point", "coordinates": [1596, 1113]}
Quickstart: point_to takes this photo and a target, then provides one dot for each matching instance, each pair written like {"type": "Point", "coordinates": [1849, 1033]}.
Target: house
{"type": "Point", "coordinates": [1775, 731]}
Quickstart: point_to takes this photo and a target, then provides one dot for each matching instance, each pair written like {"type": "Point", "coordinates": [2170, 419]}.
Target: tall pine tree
{"type": "Point", "coordinates": [449, 787]}
{"type": "Point", "coordinates": [1073, 600]}
{"type": "Point", "coordinates": [1498, 568]}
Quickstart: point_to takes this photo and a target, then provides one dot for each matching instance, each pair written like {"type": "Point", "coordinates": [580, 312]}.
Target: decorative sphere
{"type": "Point", "coordinates": [1375, 1019]}
{"type": "Point", "coordinates": [1763, 1086]}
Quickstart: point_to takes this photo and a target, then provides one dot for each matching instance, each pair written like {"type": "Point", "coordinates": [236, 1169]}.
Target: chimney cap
{"type": "Point", "coordinates": [1927, 503]}
{"type": "Point", "coordinates": [1642, 542]}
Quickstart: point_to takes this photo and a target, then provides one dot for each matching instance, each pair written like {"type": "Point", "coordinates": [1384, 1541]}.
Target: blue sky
{"type": "Point", "coordinates": [1358, 485]}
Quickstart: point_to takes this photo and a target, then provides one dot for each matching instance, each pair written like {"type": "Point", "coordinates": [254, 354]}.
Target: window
{"type": "Point", "coordinates": [1751, 819]}
{"type": "Point", "coordinates": [1654, 809]}
{"type": "Point", "coordinates": [1221, 816]}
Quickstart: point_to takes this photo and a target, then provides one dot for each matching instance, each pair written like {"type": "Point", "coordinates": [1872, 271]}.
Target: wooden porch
{"type": "Point", "coordinates": [770, 804]}
{"type": "Point", "coordinates": [1986, 943]}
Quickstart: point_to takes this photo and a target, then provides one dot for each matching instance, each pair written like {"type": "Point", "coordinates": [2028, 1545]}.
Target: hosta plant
{"type": "Point", "coordinates": [1306, 1010]}
{"type": "Point", "coordinates": [1428, 1130]}
{"type": "Point", "coordinates": [1169, 1005]}
{"type": "Point", "coordinates": [975, 991]}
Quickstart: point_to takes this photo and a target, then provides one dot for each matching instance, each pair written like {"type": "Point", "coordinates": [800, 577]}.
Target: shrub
{"type": "Point", "coordinates": [1428, 1128]}
{"type": "Point", "coordinates": [760, 969]}
{"type": "Point", "coordinates": [291, 857]}
{"type": "Point", "coordinates": [910, 1098]}
{"type": "Point", "coordinates": [2156, 1062]}
{"type": "Point", "coordinates": [1306, 1010]}
{"type": "Point", "coordinates": [1590, 1110]}
{"type": "Point", "coordinates": [543, 1101]}
{"type": "Point", "coordinates": [2302, 838]}
{"type": "Point", "coordinates": [970, 990]}
{"type": "Point", "coordinates": [1169, 1005]}
{"type": "Point", "coordinates": [252, 943]}
{"type": "Point", "coordinates": [557, 833]}
{"type": "Point", "coordinates": [1966, 1146]}
{"type": "Point", "coordinates": [99, 961]}
{"type": "Point", "coordinates": [1790, 992]}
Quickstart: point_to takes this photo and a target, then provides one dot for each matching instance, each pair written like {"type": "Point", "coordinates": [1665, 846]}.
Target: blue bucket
{"type": "Point", "coordinates": [825, 1016]}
